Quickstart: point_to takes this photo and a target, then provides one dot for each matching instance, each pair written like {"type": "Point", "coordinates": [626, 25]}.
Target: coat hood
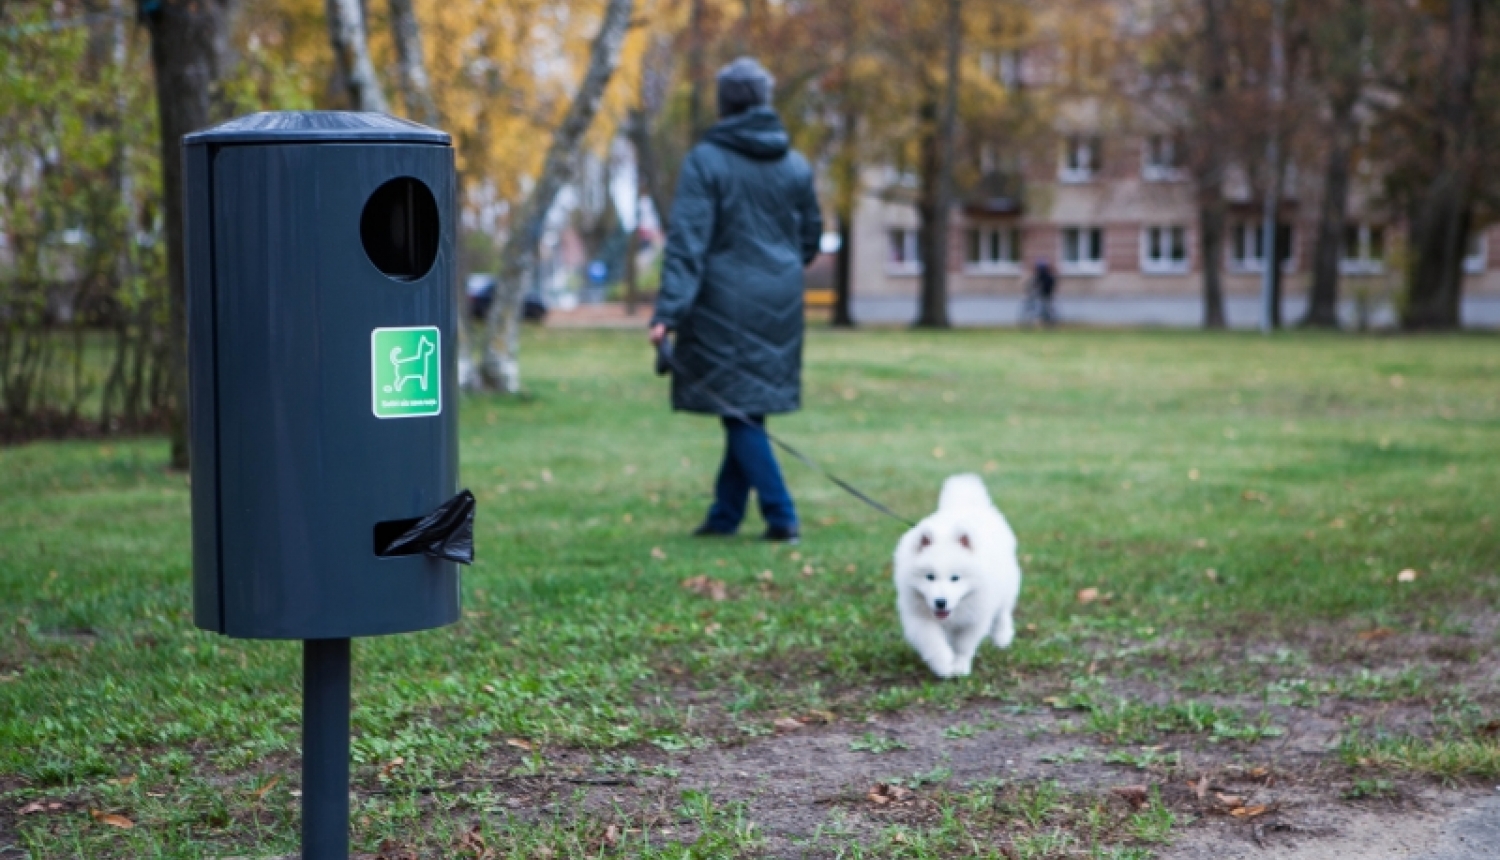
{"type": "Point", "coordinates": [757, 133]}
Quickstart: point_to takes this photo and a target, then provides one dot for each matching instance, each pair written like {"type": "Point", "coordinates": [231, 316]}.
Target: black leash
{"type": "Point", "coordinates": [665, 358]}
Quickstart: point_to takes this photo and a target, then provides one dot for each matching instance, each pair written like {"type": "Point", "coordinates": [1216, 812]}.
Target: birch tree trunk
{"type": "Point", "coordinates": [351, 49]}
{"type": "Point", "coordinates": [190, 55]}
{"type": "Point", "coordinates": [411, 62]}
{"type": "Point", "coordinates": [500, 369]}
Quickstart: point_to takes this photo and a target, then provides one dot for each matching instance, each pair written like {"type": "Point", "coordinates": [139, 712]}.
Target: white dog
{"type": "Point", "coordinates": [957, 579]}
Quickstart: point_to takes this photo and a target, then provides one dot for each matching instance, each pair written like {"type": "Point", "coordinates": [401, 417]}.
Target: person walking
{"type": "Point", "coordinates": [1039, 292]}
{"type": "Point", "coordinates": [744, 223]}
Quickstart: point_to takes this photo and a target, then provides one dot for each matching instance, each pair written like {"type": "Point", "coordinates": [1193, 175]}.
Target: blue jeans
{"type": "Point", "coordinates": [749, 462]}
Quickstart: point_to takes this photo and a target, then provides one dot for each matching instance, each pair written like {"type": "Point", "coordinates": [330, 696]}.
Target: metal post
{"type": "Point", "coordinates": [325, 749]}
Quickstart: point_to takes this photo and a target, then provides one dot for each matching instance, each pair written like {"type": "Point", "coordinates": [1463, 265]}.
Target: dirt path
{"type": "Point", "coordinates": [809, 790]}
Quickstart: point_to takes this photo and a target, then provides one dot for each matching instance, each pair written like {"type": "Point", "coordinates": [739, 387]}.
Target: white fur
{"type": "Point", "coordinates": [978, 584]}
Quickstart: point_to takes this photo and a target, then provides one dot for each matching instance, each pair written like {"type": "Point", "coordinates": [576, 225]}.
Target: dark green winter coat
{"type": "Point", "coordinates": [744, 223]}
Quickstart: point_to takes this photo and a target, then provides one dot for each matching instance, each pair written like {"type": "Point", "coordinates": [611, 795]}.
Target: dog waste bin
{"type": "Point", "coordinates": [322, 318]}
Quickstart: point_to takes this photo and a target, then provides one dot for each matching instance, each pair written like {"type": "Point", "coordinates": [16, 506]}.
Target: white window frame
{"type": "Point", "coordinates": [911, 251]}
{"type": "Point", "coordinates": [1077, 170]}
{"type": "Point", "coordinates": [1363, 262]}
{"type": "Point", "coordinates": [1006, 237]}
{"type": "Point", "coordinates": [1153, 170]}
{"type": "Point", "coordinates": [1246, 264]}
{"type": "Point", "coordinates": [1479, 261]}
{"type": "Point", "coordinates": [1080, 267]}
{"type": "Point", "coordinates": [1165, 266]}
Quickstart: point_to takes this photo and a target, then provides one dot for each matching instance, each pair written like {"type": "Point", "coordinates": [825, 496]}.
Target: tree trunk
{"type": "Point", "coordinates": [1270, 318]}
{"type": "Point", "coordinates": [190, 55]}
{"type": "Point", "coordinates": [518, 257]}
{"type": "Point", "coordinates": [1439, 226]}
{"type": "Point", "coordinates": [1212, 212]}
{"type": "Point", "coordinates": [940, 156]}
{"type": "Point", "coordinates": [696, 72]}
{"type": "Point", "coordinates": [846, 201]}
{"type": "Point", "coordinates": [416, 90]}
{"type": "Point", "coordinates": [351, 50]}
{"type": "Point", "coordinates": [1323, 300]}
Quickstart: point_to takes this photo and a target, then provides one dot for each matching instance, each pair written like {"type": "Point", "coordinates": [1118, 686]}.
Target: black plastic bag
{"type": "Point", "coordinates": [446, 533]}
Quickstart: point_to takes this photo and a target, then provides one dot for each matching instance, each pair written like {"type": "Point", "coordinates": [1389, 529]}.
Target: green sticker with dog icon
{"type": "Point", "coordinates": [406, 372]}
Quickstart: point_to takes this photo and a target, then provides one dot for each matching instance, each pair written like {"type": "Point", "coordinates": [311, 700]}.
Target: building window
{"type": "Point", "coordinates": [1476, 254]}
{"type": "Point", "coordinates": [903, 253]}
{"type": "Point", "coordinates": [1003, 67]}
{"type": "Point", "coordinates": [1163, 159]}
{"type": "Point", "coordinates": [1082, 251]}
{"type": "Point", "coordinates": [1164, 250]}
{"type": "Point", "coordinates": [1363, 251]}
{"type": "Point", "coordinates": [1247, 250]}
{"type": "Point", "coordinates": [994, 249]}
{"type": "Point", "coordinates": [1081, 159]}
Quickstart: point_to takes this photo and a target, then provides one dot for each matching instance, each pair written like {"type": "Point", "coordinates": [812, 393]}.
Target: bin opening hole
{"type": "Point", "coordinates": [399, 228]}
{"type": "Point", "coordinates": [386, 534]}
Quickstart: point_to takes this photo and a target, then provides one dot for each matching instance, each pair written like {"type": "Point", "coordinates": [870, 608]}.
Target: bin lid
{"type": "Point", "coordinates": [317, 126]}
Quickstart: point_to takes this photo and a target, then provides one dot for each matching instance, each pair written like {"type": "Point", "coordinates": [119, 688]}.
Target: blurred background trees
{"type": "Point", "coordinates": [544, 98]}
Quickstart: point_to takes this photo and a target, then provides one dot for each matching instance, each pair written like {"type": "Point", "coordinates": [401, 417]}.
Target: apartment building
{"type": "Point", "coordinates": [1114, 210]}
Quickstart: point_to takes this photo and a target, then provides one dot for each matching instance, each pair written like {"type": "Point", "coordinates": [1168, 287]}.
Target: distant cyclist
{"type": "Point", "coordinates": [1039, 291]}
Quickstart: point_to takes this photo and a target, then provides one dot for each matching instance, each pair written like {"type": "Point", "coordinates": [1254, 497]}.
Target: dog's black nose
{"type": "Point", "coordinates": [940, 603]}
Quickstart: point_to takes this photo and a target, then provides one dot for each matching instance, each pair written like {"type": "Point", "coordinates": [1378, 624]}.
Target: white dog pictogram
{"type": "Point", "coordinates": [425, 349]}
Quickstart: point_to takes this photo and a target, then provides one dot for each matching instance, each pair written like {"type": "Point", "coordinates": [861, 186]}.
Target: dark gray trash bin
{"type": "Point", "coordinates": [321, 324]}
{"type": "Point", "coordinates": [321, 296]}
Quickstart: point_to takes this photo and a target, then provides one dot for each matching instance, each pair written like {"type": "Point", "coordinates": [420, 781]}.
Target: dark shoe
{"type": "Point", "coordinates": [706, 530]}
{"type": "Point", "coordinates": [782, 534]}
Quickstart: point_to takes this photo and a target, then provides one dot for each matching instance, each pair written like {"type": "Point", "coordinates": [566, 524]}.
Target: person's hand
{"type": "Point", "coordinates": [658, 334]}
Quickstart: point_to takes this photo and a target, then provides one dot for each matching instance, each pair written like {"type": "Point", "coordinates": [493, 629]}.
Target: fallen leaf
{"type": "Point", "coordinates": [1211, 574]}
{"type": "Point", "coordinates": [1489, 730]}
{"type": "Point", "coordinates": [123, 781]}
{"type": "Point", "coordinates": [611, 835]}
{"type": "Point", "coordinates": [807, 570]}
{"type": "Point", "coordinates": [884, 793]}
{"type": "Point", "coordinates": [390, 849]}
{"type": "Point", "coordinates": [1397, 381]}
{"type": "Point", "coordinates": [1407, 575]}
{"type": "Point", "coordinates": [787, 724]}
{"type": "Point", "coordinates": [1250, 811]}
{"type": "Point", "coordinates": [472, 843]}
{"type": "Point", "coordinates": [1233, 801]}
{"type": "Point", "coordinates": [519, 744]}
{"type": "Point", "coordinates": [32, 808]}
{"type": "Point", "coordinates": [991, 466]}
{"type": "Point", "coordinates": [656, 553]}
{"type": "Point", "coordinates": [1193, 474]}
{"type": "Point", "coordinates": [112, 819]}
{"type": "Point", "coordinates": [816, 716]}
{"type": "Point", "coordinates": [1258, 772]}
{"type": "Point", "coordinates": [1135, 795]}
{"type": "Point", "coordinates": [795, 556]}
{"type": "Point", "coordinates": [706, 586]}
{"type": "Point", "coordinates": [766, 576]}
{"type": "Point", "coordinates": [546, 476]}
{"type": "Point", "coordinates": [1088, 595]}
{"type": "Point", "coordinates": [488, 688]}
{"type": "Point", "coordinates": [1375, 634]}
{"type": "Point", "coordinates": [260, 793]}
{"type": "Point", "coordinates": [938, 452]}
{"type": "Point", "coordinates": [1201, 788]}
{"type": "Point", "coordinates": [713, 628]}
{"type": "Point", "coordinates": [391, 766]}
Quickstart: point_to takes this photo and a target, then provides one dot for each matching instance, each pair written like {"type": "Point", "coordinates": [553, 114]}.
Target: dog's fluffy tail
{"type": "Point", "coordinates": [964, 491]}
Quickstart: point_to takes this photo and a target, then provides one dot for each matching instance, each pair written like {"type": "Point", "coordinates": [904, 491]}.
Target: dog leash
{"type": "Point", "coordinates": [665, 357]}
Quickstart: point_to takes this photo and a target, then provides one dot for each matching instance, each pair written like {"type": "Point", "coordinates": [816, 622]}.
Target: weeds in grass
{"type": "Point", "coordinates": [876, 744]}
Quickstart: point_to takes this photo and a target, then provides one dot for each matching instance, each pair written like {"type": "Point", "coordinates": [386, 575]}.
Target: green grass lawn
{"type": "Point", "coordinates": [1217, 491]}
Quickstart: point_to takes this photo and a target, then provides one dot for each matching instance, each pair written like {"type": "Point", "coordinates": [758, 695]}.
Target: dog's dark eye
{"type": "Point", "coordinates": [955, 578]}
{"type": "Point", "coordinates": [931, 578]}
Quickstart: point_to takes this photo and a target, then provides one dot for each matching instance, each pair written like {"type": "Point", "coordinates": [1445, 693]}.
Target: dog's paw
{"type": "Point", "coordinates": [1004, 638]}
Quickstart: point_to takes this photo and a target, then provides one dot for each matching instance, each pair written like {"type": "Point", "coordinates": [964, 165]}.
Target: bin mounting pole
{"type": "Point", "coordinates": [325, 749]}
